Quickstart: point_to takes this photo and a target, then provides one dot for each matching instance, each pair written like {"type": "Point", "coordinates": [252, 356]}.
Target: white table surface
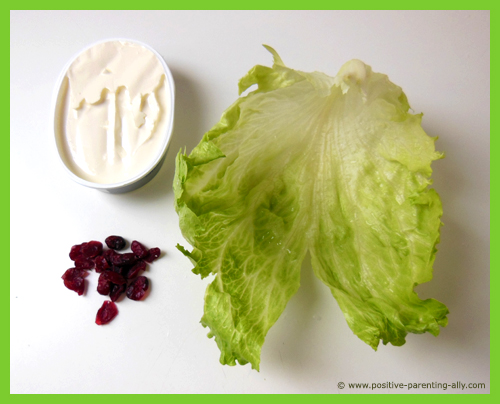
{"type": "Point", "coordinates": [440, 59]}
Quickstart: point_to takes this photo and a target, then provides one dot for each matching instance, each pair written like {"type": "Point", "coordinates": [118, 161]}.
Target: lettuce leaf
{"type": "Point", "coordinates": [333, 166]}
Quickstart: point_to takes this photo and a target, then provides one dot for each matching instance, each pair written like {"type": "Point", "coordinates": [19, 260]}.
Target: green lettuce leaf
{"type": "Point", "coordinates": [333, 166]}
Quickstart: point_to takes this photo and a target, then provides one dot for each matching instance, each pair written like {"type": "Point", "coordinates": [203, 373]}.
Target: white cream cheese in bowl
{"type": "Point", "coordinates": [113, 115]}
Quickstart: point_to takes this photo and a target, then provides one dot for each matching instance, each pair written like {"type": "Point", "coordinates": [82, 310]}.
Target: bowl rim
{"type": "Point", "coordinates": [169, 129]}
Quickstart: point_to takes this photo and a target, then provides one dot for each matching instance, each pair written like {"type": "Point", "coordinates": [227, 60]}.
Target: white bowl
{"type": "Point", "coordinates": [152, 169]}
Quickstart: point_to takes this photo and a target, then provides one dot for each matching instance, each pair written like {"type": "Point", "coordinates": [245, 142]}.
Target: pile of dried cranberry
{"type": "Point", "coordinates": [119, 273]}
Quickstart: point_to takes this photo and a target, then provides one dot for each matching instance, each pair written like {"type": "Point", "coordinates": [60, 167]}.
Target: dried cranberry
{"type": "Point", "coordinates": [153, 254]}
{"type": "Point", "coordinates": [116, 291]}
{"type": "Point", "coordinates": [138, 249]}
{"type": "Point", "coordinates": [76, 251]}
{"type": "Point", "coordinates": [134, 271]}
{"type": "Point", "coordinates": [84, 263]}
{"type": "Point", "coordinates": [101, 264]}
{"type": "Point", "coordinates": [91, 249]}
{"type": "Point", "coordinates": [138, 288]}
{"type": "Point", "coordinates": [73, 280]}
{"type": "Point", "coordinates": [108, 254]}
{"type": "Point", "coordinates": [123, 259]}
{"type": "Point", "coordinates": [106, 313]}
{"type": "Point", "coordinates": [115, 242]}
{"type": "Point", "coordinates": [120, 270]}
{"type": "Point", "coordinates": [114, 277]}
{"type": "Point", "coordinates": [73, 273]}
{"type": "Point", "coordinates": [77, 285]}
{"type": "Point", "coordinates": [103, 285]}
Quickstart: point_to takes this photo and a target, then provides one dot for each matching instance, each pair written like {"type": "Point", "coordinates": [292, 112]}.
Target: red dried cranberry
{"type": "Point", "coordinates": [73, 280]}
{"type": "Point", "coordinates": [120, 270]}
{"type": "Point", "coordinates": [103, 285]}
{"type": "Point", "coordinates": [134, 271]}
{"type": "Point", "coordinates": [84, 263]}
{"type": "Point", "coordinates": [76, 251]}
{"type": "Point", "coordinates": [106, 313]}
{"type": "Point", "coordinates": [108, 254]}
{"type": "Point", "coordinates": [138, 249]}
{"type": "Point", "coordinates": [101, 264]}
{"type": "Point", "coordinates": [123, 259]}
{"type": "Point", "coordinates": [73, 273]}
{"type": "Point", "coordinates": [138, 288]}
{"type": "Point", "coordinates": [114, 277]}
{"type": "Point", "coordinates": [153, 254]}
{"type": "Point", "coordinates": [91, 249]}
{"type": "Point", "coordinates": [115, 242]}
{"type": "Point", "coordinates": [77, 285]}
{"type": "Point", "coordinates": [116, 291]}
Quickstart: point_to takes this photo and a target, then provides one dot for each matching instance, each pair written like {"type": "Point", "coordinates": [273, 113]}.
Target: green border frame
{"type": "Point", "coordinates": [263, 5]}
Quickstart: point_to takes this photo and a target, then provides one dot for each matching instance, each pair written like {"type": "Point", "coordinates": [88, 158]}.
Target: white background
{"type": "Point", "coordinates": [440, 59]}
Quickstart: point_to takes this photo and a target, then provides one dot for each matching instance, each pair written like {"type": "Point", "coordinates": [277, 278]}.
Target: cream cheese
{"type": "Point", "coordinates": [112, 113]}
